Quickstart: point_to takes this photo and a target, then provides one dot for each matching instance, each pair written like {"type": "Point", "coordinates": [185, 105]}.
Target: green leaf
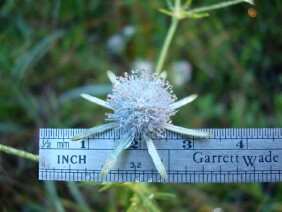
{"type": "Point", "coordinates": [164, 11]}
{"type": "Point", "coordinates": [195, 15]}
{"type": "Point", "coordinates": [35, 54]}
{"type": "Point", "coordinates": [164, 196]}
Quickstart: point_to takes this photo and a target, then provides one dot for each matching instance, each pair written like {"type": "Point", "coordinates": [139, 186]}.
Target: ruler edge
{"type": "Point", "coordinates": [114, 132]}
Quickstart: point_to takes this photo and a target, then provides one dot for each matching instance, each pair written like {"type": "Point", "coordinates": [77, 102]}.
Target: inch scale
{"type": "Point", "coordinates": [229, 156]}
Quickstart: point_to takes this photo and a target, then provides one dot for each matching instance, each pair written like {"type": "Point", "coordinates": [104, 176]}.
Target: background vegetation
{"type": "Point", "coordinates": [51, 51]}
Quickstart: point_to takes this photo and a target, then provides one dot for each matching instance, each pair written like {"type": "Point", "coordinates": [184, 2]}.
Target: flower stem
{"type": "Point", "coordinates": [168, 39]}
{"type": "Point", "coordinates": [18, 152]}
{"type": "Point", "coordinates": [217, 6]}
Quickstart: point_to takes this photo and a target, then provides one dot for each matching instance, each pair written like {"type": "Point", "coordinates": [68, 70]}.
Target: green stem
{"type": "Point", "coordinates": [166, 45]}
{"type": "Point", "coordinates": [19, 153]}
{"type": "Point", "coordinates": [177, 14]}
{"type": "Point", "coordinates": [215, 6]}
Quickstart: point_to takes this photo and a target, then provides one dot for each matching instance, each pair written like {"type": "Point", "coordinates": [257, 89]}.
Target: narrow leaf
{"type": "Point", "coordinates": [155, 157]}
{"type": "Point", "coordinates": [123, 143]}
{"type": "Point", "coordinates": [217, 6]}
{"type": "Point", "coordinates": [184, 101]}
{"type": "Point", "coordinates": [94, 130]}
{"type": "Point", "coordinates": [163, 75]}
{"type": "Point", "coordinates": [195, 15]}
{"type": "Point", "coordinates": [186, 131]}
{"type": "Point", "coordinates": [90, 89]}
{"type": "Point", "coordinates": [187, 4]}
{"type": "Point", "coordinates": [95, 100]}
{"type": "Point", "coordinates": [166, 12]}
{"type": "Point", "coordinates": [112, 77]}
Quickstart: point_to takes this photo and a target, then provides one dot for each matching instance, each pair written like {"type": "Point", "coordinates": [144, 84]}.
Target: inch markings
{"type": "Point", "coordinates": [230, 155]}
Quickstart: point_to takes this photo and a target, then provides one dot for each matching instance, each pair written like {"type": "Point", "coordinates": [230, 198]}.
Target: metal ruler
{"type": "Point", "coordinates": [229, 156]}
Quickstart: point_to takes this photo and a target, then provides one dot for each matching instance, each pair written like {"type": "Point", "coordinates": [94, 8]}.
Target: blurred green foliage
{"type": "Point", "coordinates": [51, 51]}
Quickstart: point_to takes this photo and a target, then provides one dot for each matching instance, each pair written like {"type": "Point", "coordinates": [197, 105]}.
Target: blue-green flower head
{"type": "Point", "coordinates": [141, 103]}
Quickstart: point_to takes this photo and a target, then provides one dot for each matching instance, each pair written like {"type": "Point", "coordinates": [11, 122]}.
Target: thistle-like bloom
{"type": "Point", "coordinates": [141, 103]}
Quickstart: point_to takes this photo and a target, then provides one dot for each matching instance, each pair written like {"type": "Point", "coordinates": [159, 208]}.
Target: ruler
{"type": "Point", "coordinates": [229, 156]}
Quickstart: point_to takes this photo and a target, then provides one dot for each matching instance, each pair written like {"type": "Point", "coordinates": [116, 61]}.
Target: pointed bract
{"type": "Point", "coordinates": [249, 1]}
{"type": "Point", "coordinates": [122, 145]}
{"type": "Point", "coordinates": [163, 75]}
{"type": "Point", "coordinates": [112, 77]}
{"type": "Point", "coordinates": [155, 157]}
{"type": "Point", "coordinates": [95, 100]}
{"type": "Point", "coordinates": [186, 131]}
{"type": "Point", "coordinates": [184, 101]}
{"type": "Point", "coordinates": [94, 130]}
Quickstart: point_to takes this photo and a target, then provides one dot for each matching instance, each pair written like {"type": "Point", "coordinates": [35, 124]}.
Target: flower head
{"type": "Point", "coordinates": [141, 103]}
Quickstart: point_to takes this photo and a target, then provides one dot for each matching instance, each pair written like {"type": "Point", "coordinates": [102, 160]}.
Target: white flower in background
{"type": "Point", "coordinates": [182, 72]}
{"type": "Point", "coordinates": [116, 44]}
{"type": "Point", "coordinates": [144, 64]}
{"type": "Point", "coordinates": [141, 103]}
{"type": "Point", "coordinates": [128, 31]}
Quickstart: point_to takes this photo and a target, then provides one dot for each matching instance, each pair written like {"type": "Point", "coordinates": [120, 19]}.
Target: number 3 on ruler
{"type": "Point", "coordinates": [187, 144]}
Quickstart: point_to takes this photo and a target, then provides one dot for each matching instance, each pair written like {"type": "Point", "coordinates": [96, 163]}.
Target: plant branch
{"type": "Point", "coordinates": [217, 6]}
{"type": "Point", "coordinates": [19, 153]}
{"type": "Point", "coordinates": [166, 45]}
